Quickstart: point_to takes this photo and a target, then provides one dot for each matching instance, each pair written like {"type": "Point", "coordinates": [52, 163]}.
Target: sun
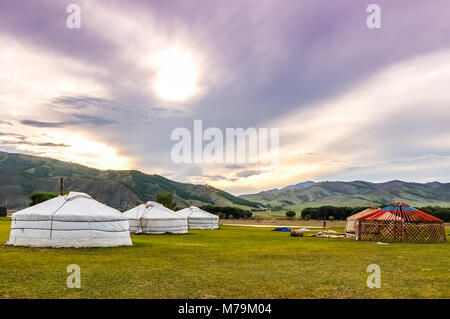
{"type": "Point", "coordinates": [177, 74]}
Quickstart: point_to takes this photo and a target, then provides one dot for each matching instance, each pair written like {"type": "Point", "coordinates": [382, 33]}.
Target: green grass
{"type": "Point", "coordinates": [233, 262]}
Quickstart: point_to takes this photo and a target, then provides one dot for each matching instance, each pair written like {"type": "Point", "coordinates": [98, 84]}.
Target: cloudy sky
{"type": "Point", "coordinates": [351, 103]}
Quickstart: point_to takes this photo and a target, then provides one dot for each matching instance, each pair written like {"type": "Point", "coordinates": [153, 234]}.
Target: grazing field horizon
{"type": "Point", "coordinates": [232, 262]}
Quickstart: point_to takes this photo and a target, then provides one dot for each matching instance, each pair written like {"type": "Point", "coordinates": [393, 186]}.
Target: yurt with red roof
{"type": "Point", "coordinates": [400, 223]}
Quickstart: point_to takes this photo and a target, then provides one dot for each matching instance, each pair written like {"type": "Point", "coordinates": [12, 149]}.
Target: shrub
{"type": "Point", "coordinates": [290, 214]}
{"type": "Point", "coordinates": [40, 197]}
{"type": "Point", "coordinates": [439, 212]}
{"type": "Point", "coordinates": [227, 212]}
{"type": "Point", "coordinates": [166, 199]}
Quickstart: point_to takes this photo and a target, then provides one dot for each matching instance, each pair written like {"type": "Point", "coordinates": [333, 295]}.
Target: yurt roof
{"type": "Point", "coordinates": [363, 213]}
{"type": "Point", "coordinates": [400, 211]}
{"type": "Point", "coordinates": [72, 207]}
{"type": "Point", "coordinates": [196, 212]}
{"type": "Point", "coordinates": [152, 210]}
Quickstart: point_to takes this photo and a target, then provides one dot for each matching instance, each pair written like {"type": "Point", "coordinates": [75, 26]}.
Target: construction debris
{"type": "Point", "coordinates": [329, 234]}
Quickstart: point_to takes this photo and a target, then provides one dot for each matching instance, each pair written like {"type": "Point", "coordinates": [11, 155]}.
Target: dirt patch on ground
{"type": "Point", "coordinates": [283, 221]}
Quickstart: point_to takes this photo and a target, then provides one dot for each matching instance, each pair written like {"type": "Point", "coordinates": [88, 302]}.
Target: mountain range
{"type": "Point", "coordinates": [21, 175]}
{"type": "Point", "coordinates": [356, 193]}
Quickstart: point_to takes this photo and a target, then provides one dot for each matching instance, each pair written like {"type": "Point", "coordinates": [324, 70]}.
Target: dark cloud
{"type": "Point", "coordinates": [19, 139]}
{"type": "Point", "coordinates": [216, 177]}
{"type": "Point", "coordinates": [6, 123]}
{"type": "Point", "coordinates": [85, 102]}
{"type": "Point", "coordinates": [235, 166]}
{"type": "Point", "coordinates": [25, 142]}
{"type": "Point", "coordinates": [51, 144]}
{"type": "Point", "coordinates": [103, 111]}
{"type": "Point", "coordinates": [78, 120]}
{"type": "Point", "coordinates": [43, 124]}
{"type": "Point", "coordinates": [12, 135]}
{"type": "Point", "coordinates": [248, 173]}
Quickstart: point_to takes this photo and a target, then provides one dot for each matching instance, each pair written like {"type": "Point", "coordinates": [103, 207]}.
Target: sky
{"type": "Point", "coordinates": [350, 102]}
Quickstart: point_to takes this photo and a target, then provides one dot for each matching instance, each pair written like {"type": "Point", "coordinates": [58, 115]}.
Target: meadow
{"type": "Point", "coordinates": [232, 262]}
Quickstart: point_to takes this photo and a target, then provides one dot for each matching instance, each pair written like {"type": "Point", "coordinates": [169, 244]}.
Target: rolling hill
{"type": "Point", "coordinates": [357, 193]}
{"type": "Point", "coordinates": [21, 175]}
{"type": "Point", "coordinates": [300, 185]}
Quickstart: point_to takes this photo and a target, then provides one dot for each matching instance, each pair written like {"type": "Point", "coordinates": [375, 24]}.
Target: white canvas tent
{"type": "Point", "coordinates": [153, 218]}
{"type": "Point", "coordinates": [350, 225]}
{"type": "Point", "coordinates": [199, 219]}
{"type": "Point", "coordinates": [74, 220]}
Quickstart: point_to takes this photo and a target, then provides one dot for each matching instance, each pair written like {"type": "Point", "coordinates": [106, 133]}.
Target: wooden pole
{"type": "Point", "coordinates": [62, 185]}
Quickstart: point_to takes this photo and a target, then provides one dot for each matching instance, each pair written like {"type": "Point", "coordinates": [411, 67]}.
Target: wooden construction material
{"type": "Point", "coordinates": [297, 233]}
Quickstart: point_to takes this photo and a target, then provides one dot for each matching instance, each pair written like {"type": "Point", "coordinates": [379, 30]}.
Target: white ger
{"type": "Point", "coordinates": [199, 219]}
{"type": "Point", "coordinates": [153, 218]}
{"type": "Point", "coordinates": [74, 220]}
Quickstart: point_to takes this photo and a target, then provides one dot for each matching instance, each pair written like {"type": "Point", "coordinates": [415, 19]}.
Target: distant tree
{"type": "Point", "coordinates": [330, 212]}
{"type": "Point", "coordinates": [166, 199]}
{"type": "Point", "coordinates": [439, 212]}
{"type": "Point", "coordinates": [288, 202]}
{"type": "Point", "coordinates": [341, 213]}
{"type": "Point", "coordinates": [3, 212]}
{"type": "Point", "coordinates": [40, 197]}
{"type": "Point", "coordinates": [228, 212]}
{"type": "Point", "coordinates": [290, 214]}
{"type": "Point", "coordinates": [276, 208]}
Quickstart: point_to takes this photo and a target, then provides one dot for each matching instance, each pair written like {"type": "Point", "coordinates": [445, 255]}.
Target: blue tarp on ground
{"type": "Point", "coordinates": [281, 229]}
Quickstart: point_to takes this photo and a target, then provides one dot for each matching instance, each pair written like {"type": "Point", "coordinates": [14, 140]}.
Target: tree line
{"type": "Point", "coordinates": [227, 212]}
{"type": "Point", "coordinates": [437, 211]}
{"type": "Point", "coordinates": [330, 212]}
{"type": "Point", "coordinates": [341, 213]}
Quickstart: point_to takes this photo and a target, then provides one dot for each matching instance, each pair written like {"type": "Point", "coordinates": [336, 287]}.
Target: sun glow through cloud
{"type": "Point", "coordinates": [177, 75]}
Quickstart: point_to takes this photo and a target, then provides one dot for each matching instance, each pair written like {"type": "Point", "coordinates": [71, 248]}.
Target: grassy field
{"type": "Point", "coordinates": [232, 262]}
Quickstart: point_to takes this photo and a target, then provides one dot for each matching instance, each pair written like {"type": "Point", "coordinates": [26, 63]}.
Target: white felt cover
{"type": "Point", "coordinates": [199, 219]}
{"type": "Point", "coordinates": [154, 218]}
{"type": "Point", "coordinates": [74, 220]}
